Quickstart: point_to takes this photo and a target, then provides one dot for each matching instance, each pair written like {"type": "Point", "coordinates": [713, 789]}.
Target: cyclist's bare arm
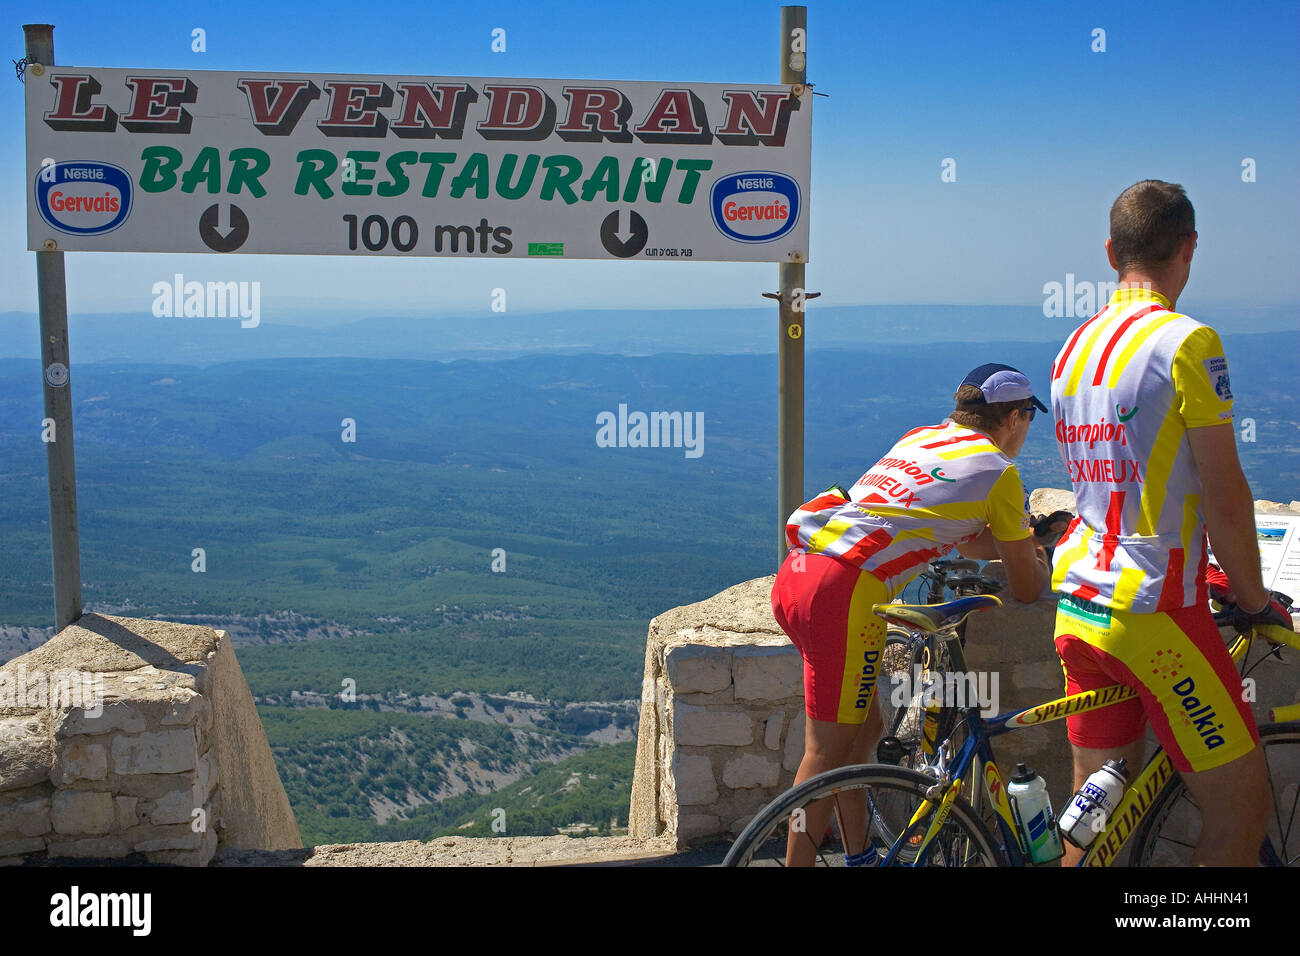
{"type": "Point", "coordinates": [981, 548]}
{"type": "Point", "coordinates": [1229, 510]}
{"type": "Point", "coordinates": [1027, 568]}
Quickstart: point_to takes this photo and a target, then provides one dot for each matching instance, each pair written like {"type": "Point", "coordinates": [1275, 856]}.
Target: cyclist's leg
{"type": "Point", "coordinates": [1110, 733]}
{"type": "Point", "coordinates": [1221, 760]}
{"type": "Point", "coordinates": [1235, 803]}
{"type": "Point", "coordinates": [1191, 693]}
{"type": "Point", "coordinates": [826, 611]}
{"type": "Point", "coordinates": [828, 746]}
{"type": "Point", "coordinates": [869, 733]}
{"type": "Point", "coordinates": [1087, 761]}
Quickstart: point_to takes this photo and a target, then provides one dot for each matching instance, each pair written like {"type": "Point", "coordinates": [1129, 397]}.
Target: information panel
{"type": "Point", "coordinates": [1279, 552]}
{"type": "Point", "coordinates": [1278, 536]}
{"type": "Point", "coordinates": [329, 164]}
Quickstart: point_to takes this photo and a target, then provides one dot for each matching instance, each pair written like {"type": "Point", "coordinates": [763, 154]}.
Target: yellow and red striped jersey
{"type": "Point", "coordinates": [940, 485]}
{"type": "Point", "coordinates": [1126, 387]}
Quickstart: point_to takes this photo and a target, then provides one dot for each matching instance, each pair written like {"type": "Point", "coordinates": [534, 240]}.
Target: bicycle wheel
{"type": "Point", "coordinates": [1168, 834]}
{"type": "Point", "coordinates": [869, 798]}
{"type": "Point", "coordinates": [899, 704]}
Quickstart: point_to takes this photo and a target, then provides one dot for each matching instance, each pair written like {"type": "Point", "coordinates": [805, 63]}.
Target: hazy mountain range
{"type": "Point", "coordinates": [140, 336]}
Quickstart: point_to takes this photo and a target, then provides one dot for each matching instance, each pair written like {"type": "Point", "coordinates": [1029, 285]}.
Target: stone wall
{"type": "Point", "coordinates": [125, 736]}
{"type": "Point", "coordinates": [722, 716]}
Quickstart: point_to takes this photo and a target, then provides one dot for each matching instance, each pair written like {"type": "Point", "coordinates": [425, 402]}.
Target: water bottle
{"type": "Point", "coordinates": [1088, 810]}
{"type": "Point", "coordinates": [1033, 813]}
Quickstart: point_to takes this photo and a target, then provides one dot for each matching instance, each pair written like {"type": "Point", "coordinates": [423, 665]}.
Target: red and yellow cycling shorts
{"type": "Point", "coordinates": [1187, 685]}
{"type": "Point", "coordinates": [824, 604]}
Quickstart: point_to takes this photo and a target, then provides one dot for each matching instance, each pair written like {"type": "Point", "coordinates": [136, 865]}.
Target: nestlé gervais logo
{"type": "Point", "coordinates": [83, 197]}
{"type": "Point", "coordinates": [755, 206]}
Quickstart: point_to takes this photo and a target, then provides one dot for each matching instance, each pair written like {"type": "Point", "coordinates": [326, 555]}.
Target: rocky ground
{"type": "Point", "coordinates": [464, 851]}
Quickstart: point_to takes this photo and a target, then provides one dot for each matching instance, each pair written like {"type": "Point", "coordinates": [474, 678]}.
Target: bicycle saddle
{"type": "Point", "coordinates": [936, 617]}
{"type": "Point", "coordinates": [943, 565]}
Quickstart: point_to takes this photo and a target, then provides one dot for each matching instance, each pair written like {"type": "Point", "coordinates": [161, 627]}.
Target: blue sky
{"type": "Point", "coordinates": [1045, 133]}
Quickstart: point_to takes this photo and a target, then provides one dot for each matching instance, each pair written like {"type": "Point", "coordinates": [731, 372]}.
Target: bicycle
{"type": "Point", "coordinates": [918, 660]}
{"type": "Point", "coordinates": [919, 817]}
{"type": "Point", "coordinates": [914, 660]}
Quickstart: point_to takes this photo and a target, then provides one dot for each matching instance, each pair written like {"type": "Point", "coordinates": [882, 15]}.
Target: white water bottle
{"type": "Point", "coordinates": [1033, 812]}
{"type": "Point", "coordinates": [1092, 805]}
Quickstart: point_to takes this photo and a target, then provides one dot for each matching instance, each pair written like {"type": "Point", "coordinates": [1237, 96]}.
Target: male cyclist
{"type": "Point", "coordinates": [940, 486]}
{"type": "Point", "coordinates": [1143, 413]}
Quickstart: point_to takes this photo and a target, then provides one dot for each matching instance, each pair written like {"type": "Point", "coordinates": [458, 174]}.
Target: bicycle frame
{"type": "Point", "coordinates": [977, 751]}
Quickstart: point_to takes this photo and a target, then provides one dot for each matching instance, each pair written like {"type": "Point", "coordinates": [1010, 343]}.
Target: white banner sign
{"type": "Point", "coordinates": [328, 164]}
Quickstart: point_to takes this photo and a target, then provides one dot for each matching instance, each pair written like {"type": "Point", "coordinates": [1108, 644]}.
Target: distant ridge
{"type": "Point", "coordinates": [102, 337]}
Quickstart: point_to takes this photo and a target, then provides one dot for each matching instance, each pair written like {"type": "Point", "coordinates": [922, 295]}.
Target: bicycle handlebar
{"type": "Point", "coordinates": [1273, 634]}
{"type": "Point", "coordinates": [960, 573]}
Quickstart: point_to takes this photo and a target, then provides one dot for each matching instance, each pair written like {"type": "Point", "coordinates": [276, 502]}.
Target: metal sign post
{"type": "Point", "coordinates": [61, 470]}
{"type": "Point", "coordinates": [790, 316]}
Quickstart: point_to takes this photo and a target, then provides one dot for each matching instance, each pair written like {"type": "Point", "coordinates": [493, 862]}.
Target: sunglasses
{"type": "Point", "coordinates": [1032, 412]}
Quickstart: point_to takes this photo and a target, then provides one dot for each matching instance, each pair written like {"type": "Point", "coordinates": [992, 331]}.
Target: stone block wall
{"type": "Point", "coordinates": [116, 738]}
{"type": "Point", "coordinates": [734, 744]}
{"type": "Point", "coordinates": [722, 717]}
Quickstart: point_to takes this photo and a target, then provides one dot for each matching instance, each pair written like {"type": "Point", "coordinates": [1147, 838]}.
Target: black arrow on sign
{"type": "Point", "coordinates": [217, 239]}
{"type": "Point", "coordinates": [611, 236]}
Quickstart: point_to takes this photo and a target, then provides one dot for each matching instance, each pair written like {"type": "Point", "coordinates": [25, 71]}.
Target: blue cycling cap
{"type": "Point", "coordinates": [1001, 383]}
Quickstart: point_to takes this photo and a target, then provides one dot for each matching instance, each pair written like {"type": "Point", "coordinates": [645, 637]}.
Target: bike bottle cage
{"type": "Point", "coordinates": [936, 617]}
